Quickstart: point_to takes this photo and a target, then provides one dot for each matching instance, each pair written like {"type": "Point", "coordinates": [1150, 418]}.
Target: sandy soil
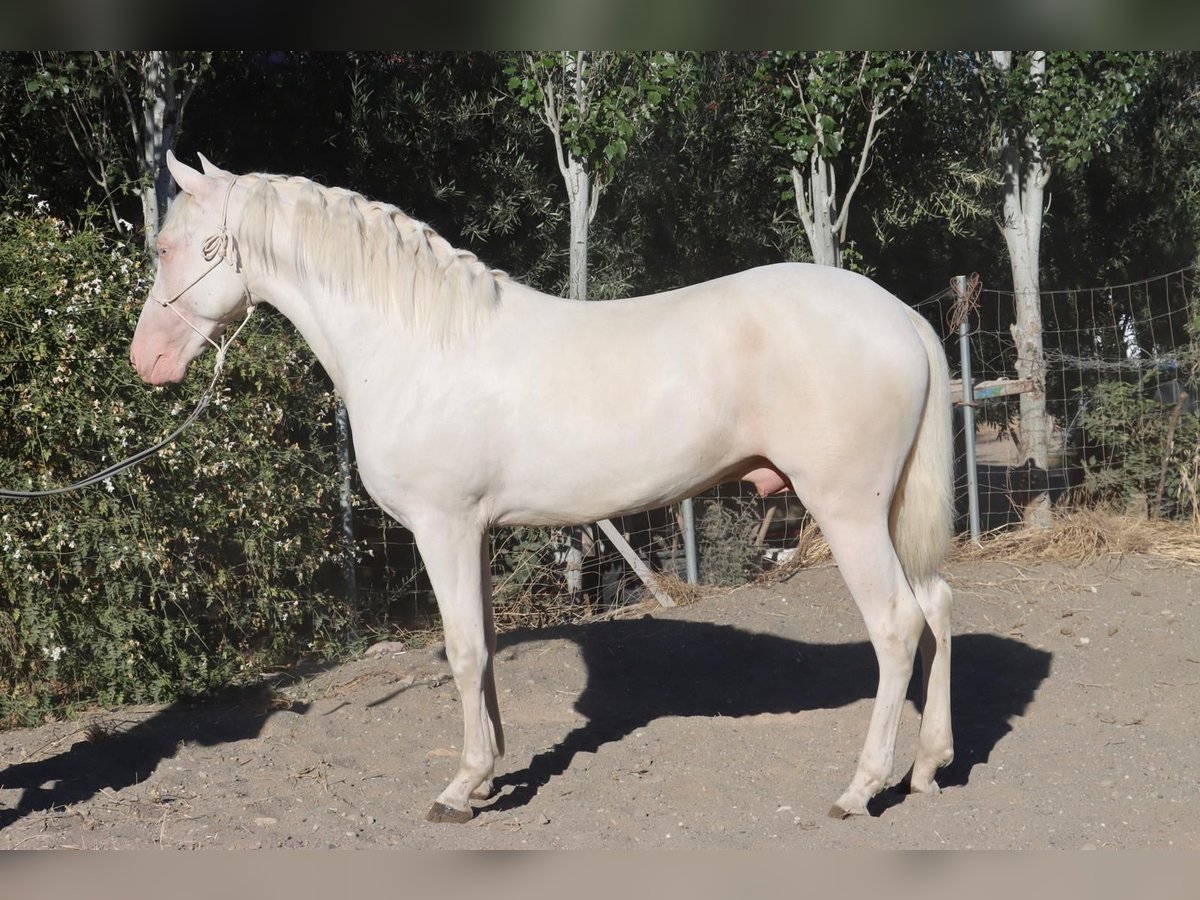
{"type": "Point", "coordinates": [733, 722]}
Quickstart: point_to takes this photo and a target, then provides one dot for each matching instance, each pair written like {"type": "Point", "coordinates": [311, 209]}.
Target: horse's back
{"type": "Point", "coordinates": [815, 321]}
{"type": "Point", "coordinates": [652, 398]}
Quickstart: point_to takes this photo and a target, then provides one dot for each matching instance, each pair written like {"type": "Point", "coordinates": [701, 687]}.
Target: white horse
{"type": "Point", "coordinates": [472, 404]}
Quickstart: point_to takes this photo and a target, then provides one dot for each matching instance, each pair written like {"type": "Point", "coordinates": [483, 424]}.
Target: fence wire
{"type": "Point", "coordinates": [1121, 366]}
{"type": "Point", "coordinates": [1120, 379]}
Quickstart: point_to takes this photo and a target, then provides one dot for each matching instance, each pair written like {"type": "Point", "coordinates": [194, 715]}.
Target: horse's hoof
{"type": "Point", "coordinates": [448, 815]}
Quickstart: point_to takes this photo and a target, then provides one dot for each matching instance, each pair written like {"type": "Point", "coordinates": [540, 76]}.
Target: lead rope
{"type": "Point", "coordinates": [217, 248]}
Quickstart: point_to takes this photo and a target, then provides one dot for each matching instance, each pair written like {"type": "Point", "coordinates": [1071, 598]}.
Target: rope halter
{"type": "Point", "coordinates": [216, 249]}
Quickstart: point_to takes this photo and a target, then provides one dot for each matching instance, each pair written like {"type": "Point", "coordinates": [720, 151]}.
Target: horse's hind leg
{"type": "Point", "coordinates": [935, 746]}
{"type": "Point", "coordinates": [863, 549]}
{"type": "Point", "coordinates": [455, 557]}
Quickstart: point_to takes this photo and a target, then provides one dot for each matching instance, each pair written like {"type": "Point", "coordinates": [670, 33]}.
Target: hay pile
{"type": "Point", "coordinates": [1081, 536]}
{"type": "Point", "coordinates": [1084, 536]}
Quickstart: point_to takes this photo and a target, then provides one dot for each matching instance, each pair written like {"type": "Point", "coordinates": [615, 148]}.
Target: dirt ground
{"type": "Point", "coordinates": [733, 722]}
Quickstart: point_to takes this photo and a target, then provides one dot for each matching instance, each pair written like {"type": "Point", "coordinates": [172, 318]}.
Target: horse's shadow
{"type": "Point", "coordinates": [123, 758]}
{"type": "Point", "coordinates": [637, 671]}
{"type": "Point", "coordinates": [640, 671]}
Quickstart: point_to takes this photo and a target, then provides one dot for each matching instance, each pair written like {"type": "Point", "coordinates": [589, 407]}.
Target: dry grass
{"type": "Point", "coordinates": [1081, 536]}
{"type": "Point", "coordinates": [811, 550]}
{"type": "Point", "coordinates": [678, 589]}
{"type": "Point", "coordinates": [1084, 536]}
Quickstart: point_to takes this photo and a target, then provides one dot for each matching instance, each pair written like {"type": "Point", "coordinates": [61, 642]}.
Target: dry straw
{"type": "Point", "coordinates": [1084, 536]}
{"type": "Point", "coordinates": [1080, 536]}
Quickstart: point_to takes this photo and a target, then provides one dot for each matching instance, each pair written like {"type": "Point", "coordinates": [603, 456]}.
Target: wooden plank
{"type": "Point", "coordinates": [635, 562]}
{"type": "Point", "coordinates": [989, 390]}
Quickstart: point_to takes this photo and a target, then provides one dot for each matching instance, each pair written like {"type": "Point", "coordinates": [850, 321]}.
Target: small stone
{"type": "Point", "coordinates": [265, 821]}
{"type": "Point", "coordinates": [383, 648]}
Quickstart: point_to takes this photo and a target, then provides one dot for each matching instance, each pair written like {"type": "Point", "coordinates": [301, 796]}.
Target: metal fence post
{"type": "Point", "coordinates": [964, 352]}
{"type": "Point", "coordinates": [689, 541]}
{"type": "Point", "coordinates": [349, 566]}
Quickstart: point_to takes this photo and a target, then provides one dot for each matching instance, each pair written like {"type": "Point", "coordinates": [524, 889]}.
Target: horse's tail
{"type": "Point", "coordinates": [922, 511]}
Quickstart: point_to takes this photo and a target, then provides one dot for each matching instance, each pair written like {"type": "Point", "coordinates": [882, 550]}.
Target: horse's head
{"type": "Point", "coordinates": [199, 288]}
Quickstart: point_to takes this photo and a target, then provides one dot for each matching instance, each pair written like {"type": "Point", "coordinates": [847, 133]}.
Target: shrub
{"type": "Point", "coordinates": [725, 539]}
{"type": "Point", "coordinates": [1125, 436]}
{"type": "Point", "coordinates": [196, 568]}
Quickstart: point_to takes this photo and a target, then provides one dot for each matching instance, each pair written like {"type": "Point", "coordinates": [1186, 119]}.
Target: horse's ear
{"type": "Point", "coordinates": [195, 183]}
{"type": "Point", "coordinates": [210, 169]}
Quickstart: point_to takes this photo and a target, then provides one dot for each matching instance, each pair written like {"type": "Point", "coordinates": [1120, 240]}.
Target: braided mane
{"type": "Point", "coordinates": [368, 252]}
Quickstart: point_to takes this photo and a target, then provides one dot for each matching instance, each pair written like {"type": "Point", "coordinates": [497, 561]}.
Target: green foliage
{"type": "Point", "coordinates": [472, 167]}
{"type": "Point", "coordinates": [605, 98]}
{"type": "Point", "coordinates": [1128, 439]}
{"type": "Point", "coordinates": [196, 568]}
{"type": "Point", "coordinates": [725, 539]}
{"type": "Point", "coordinates": [823, 98]}
{"type": "Point", "coordinates": [1077, 109]}
{"type": "Point", "coordinates": [105, 109]}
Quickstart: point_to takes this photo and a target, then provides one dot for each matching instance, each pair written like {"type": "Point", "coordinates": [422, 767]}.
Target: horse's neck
{"type": "Point", "coordinates": [346, 337]}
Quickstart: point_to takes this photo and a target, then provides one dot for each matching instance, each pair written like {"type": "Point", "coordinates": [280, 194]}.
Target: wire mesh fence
{"type": "Point", "coordinates": [1121, 364]}
{"type": "Point", "coordinates": [1121, 377]}
{"type": "Point", "coordinates": [738, 534]}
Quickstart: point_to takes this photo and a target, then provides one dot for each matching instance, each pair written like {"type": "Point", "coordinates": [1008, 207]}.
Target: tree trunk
{"type": "Point", "coordinates": [1025, 178]}
{"type": "Point", "coordinates": [579, 196]}
{"type": "Point", "coordinates": [816, 202]}
{"type": "Point", "coordinates": [160, 110]}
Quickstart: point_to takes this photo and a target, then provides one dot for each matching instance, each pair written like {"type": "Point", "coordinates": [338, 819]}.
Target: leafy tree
{"type": "Point", "coordinates": [696, 197]}
{"type": "Point", "coordinates": [594, 104]}
{"type": "Point", "coordinates": [1052, 110]}
{"type": "Point", "coordinates": [1136, 207]}
{"type": "Point", "coordinates": [121, 111]}
{"type": "Point", "coordinates": [832, 107]}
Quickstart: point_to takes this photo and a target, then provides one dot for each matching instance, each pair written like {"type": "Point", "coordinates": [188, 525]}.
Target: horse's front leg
{"type": "Point", "coordinates": [456, 558]}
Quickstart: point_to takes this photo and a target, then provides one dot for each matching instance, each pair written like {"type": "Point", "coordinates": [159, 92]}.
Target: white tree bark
{"type": "Point", "coordinates": [579, 195]}
{"type": "Point", "coordinates": [156, 136]}
{"type": "Point", "coordinates": [825, 218]}
{"type": "Point", "coordinates": [1025, 175]}
{"type": "Point", "coordinates": [583, 191]}
{"type": "Point", "coordinates": [154, 116]}
{"type": "Point", "coordinates": [816, 198]}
